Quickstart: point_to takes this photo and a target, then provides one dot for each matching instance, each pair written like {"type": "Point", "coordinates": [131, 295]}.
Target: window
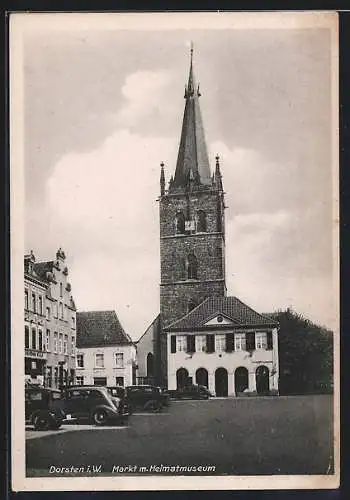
{"type": "Point", "coordinates": [73, 322]}
{"type": "Point", "coordinates": [99, 360]}
{"type": "Point", "coordinates": [33, 338]}
{"type": "Point", "coordinates": [33, 302]}
{"type": "Point", "coordinates": [73, 346]}
{"type": "Point", "coordinates": [201, 222]}
{"type": "Point", "coordinates": [40, 305]}
{"type": "Point", "coordinates": [56, 376]}
{"type": "Point", "coordinates": [119, 381]}
{"type": "Point", "coordinates": [26, 300]}
{"type": "Point", "coordinates": [220, 342]}
{"type": "Point", "coordinates": [65, 345]}
{"type": "Point", "coordinates": [119, 360]}
{"type": "Point", "coordinates": [60, 343]}
{"type": "Point", "coordinates": [61, 290]}
{"type": "Point", "coordinates": [55, 342]}
{"type": "Point", "coordinates": [80, 360]}
{"type": "Point", "coordinates": [61, 310]}
{"type": "Point", "coordinates": [48, 314]}
{"type": "Point", "coordinates": [239, 341]}
{"type": "Point", "coordinates": [181, 343]}
{"type": "Point", "coordinates": [191, 346]}
{"type": "Point", "coordinates": [260, 340]}
{"type": "Point", "coordinates": [26, 337]}
{"type": "Point", "coordinates": [98, 381]}
{"type": "Point", "coordinates": [192, 266]}
{"type": "Point", "coordinates": [47, 340]}
{"type": "Point", "coordinates": [80, 380]}
{"type": "Point", "coordinates": [55, 309]}
{"type": "Point", "coordinates": [40, 340]}
{"type": "Point", "coordinates": [49, 376]}
{"type": "Point", "coordinates": [180, 223]}
{"type": "Point", "coordinates": [201, 343]}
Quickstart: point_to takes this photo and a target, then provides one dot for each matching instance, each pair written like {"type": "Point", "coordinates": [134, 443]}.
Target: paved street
{"type": "Point", "coordinates": [238, 436]}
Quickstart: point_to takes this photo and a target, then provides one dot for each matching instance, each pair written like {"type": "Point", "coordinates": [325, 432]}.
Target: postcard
{"type": "Point", "coordinates": [174, 229]}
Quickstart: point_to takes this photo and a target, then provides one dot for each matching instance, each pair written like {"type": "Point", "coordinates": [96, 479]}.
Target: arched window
{"type": "Point", "coordinates": [191, 305]}
{"type": "Point", "coordinates": [192, 266]}
{"type": "Point", "coordinates": [180, 223]}
{"type": "Point", "coordinates": [150, 365]}
{"type": "Point", "coordinates": [202, 222]}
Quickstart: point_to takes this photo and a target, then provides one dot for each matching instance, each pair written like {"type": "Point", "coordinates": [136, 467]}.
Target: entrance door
{"type": "Point", "coordinates": [262, 380]}
{"type": "Point", "coordinates": [181, 378]}
{"type": "Point", "coordinates": [202, 377]}
{"type": "Point", "coordinates": [221, 385]}
{"type": "Point", "coordinates": [241, 379]}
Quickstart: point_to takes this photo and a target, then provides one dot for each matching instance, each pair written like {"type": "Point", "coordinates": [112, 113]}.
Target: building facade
{"type": "Point", "coordinates": [106, 355]}
{"type": "Point", "coordinates": [147, 355]}
{"type": "Point", "coordinates": [204, 335]}
{"type": "Point", "coordinates": [49, 322]}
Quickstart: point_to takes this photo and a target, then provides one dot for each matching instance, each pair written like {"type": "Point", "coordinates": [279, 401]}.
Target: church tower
{"type": "Point", "coordinates": [192, 223]}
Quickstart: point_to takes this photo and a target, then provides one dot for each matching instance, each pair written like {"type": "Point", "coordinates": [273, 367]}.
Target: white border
{"type": "Point", "coordinates": [21, 23]}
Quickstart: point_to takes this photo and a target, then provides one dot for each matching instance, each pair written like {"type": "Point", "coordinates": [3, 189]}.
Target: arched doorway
{"type": "Point", "coordinates": [221, 384]}
{"type": "Point", "coordinates": [150, 365]}
{"type": "Point", "coordinates": [181, 377]}
{"type": "Point", "coordinates": [241, 379]}
{"type": "Point", "coordinates": [262, 380]}
{"type": "Point", "coordinates": [202, 377]}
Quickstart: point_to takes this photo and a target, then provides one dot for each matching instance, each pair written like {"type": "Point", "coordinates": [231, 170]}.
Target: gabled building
{"type": "Point", "coordinates": [106, 355]}
{"type": "Point", "coordinates": [204, 336]}
{"type": "Point", "coordinates": [49, 322]}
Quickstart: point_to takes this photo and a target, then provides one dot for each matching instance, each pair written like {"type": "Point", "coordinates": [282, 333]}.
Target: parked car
{"type": "Point", "coordinates": [147, 397]}
{"type": "Point", "coordinates": [192, 392]}
{"type": "Point", "coordinates": [44, 408]}
{"type": "Point", "coordinates": [94, 403]}
{"type": "Point", "coordinates": [120, 392]}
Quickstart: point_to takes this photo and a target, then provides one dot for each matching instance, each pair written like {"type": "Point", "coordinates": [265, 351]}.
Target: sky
{"type": "Point", "coordinates": [102, 109]}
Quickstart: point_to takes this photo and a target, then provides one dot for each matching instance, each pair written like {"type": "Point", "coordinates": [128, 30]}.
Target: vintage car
{"type": "Point", "coordinates": [95, 404]}
{"type": "Point", "coordinates": [192, 391]}
{"type": "Point", "coordinates": [147, 397]}
{"type": "Point", "coordinates": [44, 408]}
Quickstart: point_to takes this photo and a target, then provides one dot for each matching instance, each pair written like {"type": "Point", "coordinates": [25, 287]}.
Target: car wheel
{"type": "Point", "coordinates": [99, 417]}
{"type": "Point", "coordinates": [42, 423]}
{"type": "Point", "coordinates": [153, 405]}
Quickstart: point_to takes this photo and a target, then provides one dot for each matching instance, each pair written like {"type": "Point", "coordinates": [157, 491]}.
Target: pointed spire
{"type": "Point", "coordinates": [192, 156]}
{"type": "Point", "coordinates": [218, 176]}
{"type": "Point", "coordinates": [162, 179]}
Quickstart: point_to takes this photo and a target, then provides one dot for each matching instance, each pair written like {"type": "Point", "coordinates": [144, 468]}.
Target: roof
{"type": "Point", "coordinates": [42, 268]}
{"type": "Point", "coordinates": [231, 307]}
{"type": "Point", "coordinates": [100, 329]}
{"type": "Point", "coordinates": [192, 162]}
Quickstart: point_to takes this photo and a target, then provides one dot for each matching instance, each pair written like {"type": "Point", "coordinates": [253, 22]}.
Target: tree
{"type": "Point", "coordinates": [305, 355]}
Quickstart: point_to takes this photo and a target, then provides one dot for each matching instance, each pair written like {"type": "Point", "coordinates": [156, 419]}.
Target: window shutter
{"type": "Point", "coordinates": [250, 341]}
{"type": "Point", "coordinates": [173, 343]}
{"type": "Point", "coordinates": [230, 345]}
{"type": "Point", "coordinates": [269, 341]}
{"type": "Point", "coordinates": [191, 347]}
{"type": "Point", "coordinates": [210, 343]}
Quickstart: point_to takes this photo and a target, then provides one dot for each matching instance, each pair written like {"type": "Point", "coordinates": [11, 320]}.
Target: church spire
{"type": "Point", "coordinates": [192, 160]}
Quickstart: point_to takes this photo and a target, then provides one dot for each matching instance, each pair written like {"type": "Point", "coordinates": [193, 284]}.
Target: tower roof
{"type": "Point", "coordinates": [192, 161]}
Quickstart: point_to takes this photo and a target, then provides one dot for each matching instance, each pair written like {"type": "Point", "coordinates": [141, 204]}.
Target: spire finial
{"type": "Point", "coordinates": [191, 50]}
{"type": "Point", "coordinates": [162, 179]}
